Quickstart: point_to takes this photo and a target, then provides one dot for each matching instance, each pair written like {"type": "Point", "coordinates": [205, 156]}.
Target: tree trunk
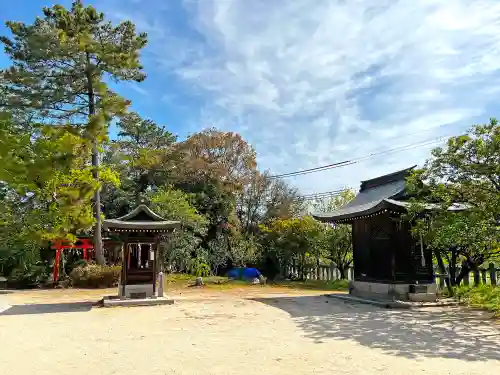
{"type": "Point", "coordinates": [442, 269]}
{"type": "Point", "coordinates": [302, 266]}
{"type": "Point", "coordinates": [99, 253]}
{"type": "Point", "coordinates": [342, 272]}
{"type": "Point", "coordinates": [453, 267]}
{"type": "Point", "coordinates": [464, 271]}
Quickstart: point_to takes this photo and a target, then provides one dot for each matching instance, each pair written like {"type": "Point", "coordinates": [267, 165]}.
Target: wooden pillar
{"type": "Point", "coordinates": [125, 259]}
{"type": "Point", "coordinates": [155, 253]}
{"type": "Point", "coordinates": [139, 255]}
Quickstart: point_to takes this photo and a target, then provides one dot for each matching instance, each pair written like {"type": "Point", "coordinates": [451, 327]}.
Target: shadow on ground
{"type": "Point", "coordinates": [42, 308]}
{"type": "Point", "coordinates": [443, 333]}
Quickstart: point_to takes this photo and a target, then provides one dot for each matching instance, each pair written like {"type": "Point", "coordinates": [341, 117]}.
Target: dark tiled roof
{"type": "Point", "coordinates": [142, 217]}
{"type": "Point", "coordinates": [119, 224]}
{"type": "Point", "coordinates": [366, 202]}
{"type": "Point", "coordinates": [376, 195]}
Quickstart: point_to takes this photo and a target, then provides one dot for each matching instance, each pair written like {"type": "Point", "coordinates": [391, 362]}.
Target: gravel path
{"type": "Point", "coordinates": [229, 335]}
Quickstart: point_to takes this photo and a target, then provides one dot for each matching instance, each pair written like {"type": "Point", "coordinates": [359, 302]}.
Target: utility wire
{"type": "Point", "coordinates": [326, 194]}
{"type": "Point", "coordinates": [361, 158]}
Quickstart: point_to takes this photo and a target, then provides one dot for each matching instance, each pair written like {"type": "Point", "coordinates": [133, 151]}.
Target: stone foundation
{"type": "Point", "coordinates": [113, 301]}
{"type": "Point", "coordinates": [390, 292]}
{"type": "Point", "coordinates": [133, 290]}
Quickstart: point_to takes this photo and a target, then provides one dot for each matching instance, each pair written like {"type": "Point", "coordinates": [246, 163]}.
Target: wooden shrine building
{"type": "Point", "coordinates": [389, 262]}
{"type": "Point", "coordinates": [139, 232]}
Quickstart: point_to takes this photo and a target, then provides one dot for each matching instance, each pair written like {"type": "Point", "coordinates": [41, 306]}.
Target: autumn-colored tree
{"type": "Point", "coordinates": [222, 156]}
{"type": "Point", "coordinates": [251, 202]}
{"type": "Point", "coordinates": [284, 201]}
{"type": "Point", "coordinates": [214, 168]}
{"type": "Point", "coordinates": [264, 198]}
{"type": "Point", "coordinates": [61, 64]}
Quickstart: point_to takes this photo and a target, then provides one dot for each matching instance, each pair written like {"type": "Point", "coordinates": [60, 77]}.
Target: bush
{"type": "Point", "coordinates": [28, 276]}
{"type": "Point", "coordinates": [483, 296]}
{"type": "Point", "coordinates": [199, 268]}
{"type": "Point", "coordinates": [95, 276]}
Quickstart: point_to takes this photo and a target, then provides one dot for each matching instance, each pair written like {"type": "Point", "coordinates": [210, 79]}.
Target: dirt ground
{"type": "Point", "coordinates": [252, 330]}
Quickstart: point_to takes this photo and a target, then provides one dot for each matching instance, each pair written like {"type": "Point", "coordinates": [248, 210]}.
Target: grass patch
{"type": "Point", "coordinates": [182, 280]}
{"type": "Point", "coordinates": [219, 282]}
{"type": "Point", "coordinates": [314, 285]}
{"type": "Point", "coordinates": [483, 296]}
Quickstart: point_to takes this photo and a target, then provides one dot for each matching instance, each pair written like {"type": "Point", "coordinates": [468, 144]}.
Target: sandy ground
{"type": "Point", "coordinates": [258, 331]}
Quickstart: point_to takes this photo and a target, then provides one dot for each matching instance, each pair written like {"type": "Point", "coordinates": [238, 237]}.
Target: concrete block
{"type": "Point", "coordinates": [116, 301]}
{"type": "Point", "coordinates": [135, 289]}
{"type": "Point", "coordinates": [422, 297]}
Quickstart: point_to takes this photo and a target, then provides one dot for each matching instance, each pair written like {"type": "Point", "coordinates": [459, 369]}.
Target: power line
{"type": "Point", "coordinates": [361, 158]}
{"type": "Point", "coordinates": [314, 196]}
{"type": "Point", "coordinates": [321, 195]}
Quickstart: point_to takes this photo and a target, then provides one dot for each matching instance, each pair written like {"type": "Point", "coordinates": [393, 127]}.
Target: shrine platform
{"type": "Point", "coordinates": [394, 304]}
{"type": "Point", "coordinates": [115, 301]}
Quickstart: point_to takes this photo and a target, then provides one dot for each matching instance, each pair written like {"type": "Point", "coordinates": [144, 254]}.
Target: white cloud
{"type": "Point", "coordinates": [315, 82]}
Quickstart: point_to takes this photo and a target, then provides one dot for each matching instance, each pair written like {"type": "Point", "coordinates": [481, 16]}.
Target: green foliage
{"type": "Point", "coordinates": [95, 276]}
{"type": "Point", "coordinates": [466, 171]}
{"type": "Point", "coordinates": [244, 249]}
{"type": "Point", "coordinates": [296, 238]}
{"type": "Point", "coordinates": [48, 183]}
{"type": "Point", "coordinates": [199, 268]}
{"type": "Point", "coordinates": [61, 66]}
{"type": "Point", "coordinates": [61, 63]}
{"type": "Point", "coordinates": [334, 203]}
{"type": "Point", "coordinates": [483, 296]}
{"type": "Point", "coordinates": [175, 205]}
{"type": "Point", "coordinates": [143, 155]}
{"type": "Point", "coordinates": [218, 252]}
{"type": "Point", "coordinates": [337, 240]}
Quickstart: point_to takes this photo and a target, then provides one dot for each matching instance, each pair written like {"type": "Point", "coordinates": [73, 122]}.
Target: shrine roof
{"type": "Point", "coordinates": [141, 218]}
{"type": "Point", "coordinates": [367, 202]}
{"type": "Point", "coordinates": [381, 193]}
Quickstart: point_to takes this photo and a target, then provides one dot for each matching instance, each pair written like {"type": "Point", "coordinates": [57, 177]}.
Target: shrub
{"type": "Point", "coordinates": [28, 276]}
{"type": "Point", "coordinates": [95, 276]}
{"type": "Point", "coordinates": [199, 268]}
{"type": "Point", "coordinates": [483, 296]}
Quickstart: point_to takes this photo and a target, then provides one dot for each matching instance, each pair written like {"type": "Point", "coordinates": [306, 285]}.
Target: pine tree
{"type": "Point", "coordinates": [61, 64]}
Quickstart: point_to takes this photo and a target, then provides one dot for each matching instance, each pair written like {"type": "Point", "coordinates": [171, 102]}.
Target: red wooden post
{"type": "Point", "coordinates": [85, 254]}
{"type": "Point", "coordinates": [56, 265]}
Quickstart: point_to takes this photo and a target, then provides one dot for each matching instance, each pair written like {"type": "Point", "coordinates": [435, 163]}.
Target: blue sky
{"type": "Point", "coordinates": [309, 83]}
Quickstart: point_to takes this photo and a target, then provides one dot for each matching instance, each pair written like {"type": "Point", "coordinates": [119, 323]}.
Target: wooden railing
{"type": "Point", "coordinates": [323, 272]}
{"type": "Point", "coordinates": [489, 275]}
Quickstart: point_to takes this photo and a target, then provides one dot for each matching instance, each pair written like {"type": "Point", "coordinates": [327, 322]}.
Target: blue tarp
{"type": "Point", "coordinates": [243, 273]}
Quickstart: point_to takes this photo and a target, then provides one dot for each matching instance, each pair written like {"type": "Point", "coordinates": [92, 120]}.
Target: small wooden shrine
{"type": "Point", "coordinates": [389, 262]}
{"type": "Point", "coordinates": [139, 232]}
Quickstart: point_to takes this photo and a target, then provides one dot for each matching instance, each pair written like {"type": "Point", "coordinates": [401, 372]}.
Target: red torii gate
{"type": "Point", "coordinates": [82, 243]}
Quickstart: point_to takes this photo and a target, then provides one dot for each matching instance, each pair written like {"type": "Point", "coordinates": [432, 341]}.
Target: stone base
{"type": "Point", "coordinates": [113, 301]}
{"type": "Point", "coordinates": [388, 292]}
{"type": "Point", "coordinates": [422, 297]}
{"type": "Point", "coordinates": [130, 290]}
